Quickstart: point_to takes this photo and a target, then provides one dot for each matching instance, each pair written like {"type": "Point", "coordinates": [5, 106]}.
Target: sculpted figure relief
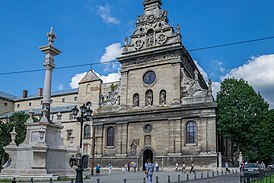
{"type": "Point", "coordinates": [149, 98]}
{"type": "Point", "coordinates": [150, 40]}
{"type": "Point", "coordinates": [136, 100]}
{"type": "Point", "coordinates": [163, 97]}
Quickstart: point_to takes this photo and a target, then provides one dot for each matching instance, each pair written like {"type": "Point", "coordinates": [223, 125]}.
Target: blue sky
{"type": "Point", "coordinates": [92, 31]}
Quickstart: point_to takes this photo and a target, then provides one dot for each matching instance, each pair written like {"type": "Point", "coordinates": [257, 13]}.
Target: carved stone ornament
{"type": "Point", "coordinates": [191, 87]}
{"type": "Point", "coordinates": [138, 44]}
{"type": "Point", "coordinates": [150, 18]}
{"type": "Point", "coordinates": [133, 149]}
{"type": "Point", "coordinates": [161, 39]}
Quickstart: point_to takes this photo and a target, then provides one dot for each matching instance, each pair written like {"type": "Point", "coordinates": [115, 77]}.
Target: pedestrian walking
{"type": "Point", "coordinates": [97, 169]}
{"type": "Point", "coordinates": [176, 167]}
{"type": "Point", "coordinates": [157, 166]}
{"type": "Point", "coordinates": [192, 167]}
{"type": "Point", "coordinates": [242, 166]}
{"type": "Point", "coordinates": [226, 167]}
{"type": "Point", "coordinates": [184, 168]}
{"type": "Point", "coordinates": [149, 171]}
{"type": "Point", "coordinates": [109, 168]}
{"type": "Point", "coordinates": [128, 166]}
{"type": "Point", "coordinates": [134, 165]}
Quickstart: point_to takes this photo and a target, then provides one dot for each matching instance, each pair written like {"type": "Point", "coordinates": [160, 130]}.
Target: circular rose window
{"type": "Point", "coordinates": [147, 128]}
{"type": "Point", "coordinates": [149, 77]}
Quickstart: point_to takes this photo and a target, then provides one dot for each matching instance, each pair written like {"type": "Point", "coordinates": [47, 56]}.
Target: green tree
{"type": "Point", "coordinates": [242, 115]}
{"type": "Point", "coordinates": [16, 120]}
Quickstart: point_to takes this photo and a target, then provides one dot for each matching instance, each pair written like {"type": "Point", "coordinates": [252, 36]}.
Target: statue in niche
{"type": "Point", "coordinates": [162, 97]}
{"type": "Point", "coordinates": [150, 39]}
{"type": "Point", "coordinates": [136, 100]}
{"type": "Point", "coordinates": [149, 98]}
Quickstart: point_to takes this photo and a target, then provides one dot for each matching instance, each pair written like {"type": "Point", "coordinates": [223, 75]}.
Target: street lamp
{"type": "Point", "coordinates": [85, 113]}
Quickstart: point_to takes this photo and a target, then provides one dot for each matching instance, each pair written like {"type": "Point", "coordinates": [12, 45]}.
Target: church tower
{"type": "Point", "coordinates": [152, 58]}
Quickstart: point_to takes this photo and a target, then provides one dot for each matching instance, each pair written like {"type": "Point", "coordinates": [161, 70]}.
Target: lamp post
{"type": "Point", "coordinates": [85, 113]}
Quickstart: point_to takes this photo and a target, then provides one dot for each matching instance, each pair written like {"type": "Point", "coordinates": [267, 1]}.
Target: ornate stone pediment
{"type": "Point", "coordinates": [152, 29]}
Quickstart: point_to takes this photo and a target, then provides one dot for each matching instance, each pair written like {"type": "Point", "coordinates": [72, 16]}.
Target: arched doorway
{"type": "Point", "coordinates": [147, 155]}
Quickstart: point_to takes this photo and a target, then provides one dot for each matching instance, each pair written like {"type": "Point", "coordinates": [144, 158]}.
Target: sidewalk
{"type": "Point", "coordinates": [138, 177]}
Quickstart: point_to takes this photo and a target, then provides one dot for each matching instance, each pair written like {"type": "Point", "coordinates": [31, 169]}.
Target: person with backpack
{"type": "Point", "coordinates": [149, 171]}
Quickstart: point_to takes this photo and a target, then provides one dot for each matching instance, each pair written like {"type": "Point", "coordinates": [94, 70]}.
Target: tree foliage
{"type": "Point", "coordinates": [16, 120]}
{"type": "Point", "coordinates": [243, 116]}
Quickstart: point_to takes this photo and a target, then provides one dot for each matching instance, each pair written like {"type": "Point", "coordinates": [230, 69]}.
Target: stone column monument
{"type": "Point", "coordinates": [42, 155]}
{"type": "Point", "coordinates": [50, 51]}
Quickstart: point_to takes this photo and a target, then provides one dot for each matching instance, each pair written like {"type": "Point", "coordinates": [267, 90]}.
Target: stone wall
{"type": "Point", "coordinates": [6, 106]}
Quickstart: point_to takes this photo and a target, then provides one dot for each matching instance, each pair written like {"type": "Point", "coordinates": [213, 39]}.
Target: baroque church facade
{"type": "Point", "coordinates": [161, 109]}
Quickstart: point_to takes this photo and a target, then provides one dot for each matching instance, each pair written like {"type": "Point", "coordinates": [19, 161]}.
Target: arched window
{"type": "Point", "coordinates": [162, 97]}
{"type": "Point", "coordinates": [191, 132]}
{"type": "Point", "coordinates": [136, 100]}
{"type": "Point", "coordinates": [87, 131]}
{"type": "Point", "coordinates": [149, 98]}
{"type": "Point", "coordinates": [88, 89]}
{"type": "Point", "coordinates": [110, 136]}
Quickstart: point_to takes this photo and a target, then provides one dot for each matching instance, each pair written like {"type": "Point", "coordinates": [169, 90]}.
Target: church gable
{"type": "Point", "coordinates": [152, 63]}
{"type": "Point", "coordinates": [152, 30]}
{"type": "Point", "coordinates": [89, 77]}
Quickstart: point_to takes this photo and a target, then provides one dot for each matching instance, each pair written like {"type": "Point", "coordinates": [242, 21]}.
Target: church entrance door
{"type": "Point", "coordinates": [148, 154]}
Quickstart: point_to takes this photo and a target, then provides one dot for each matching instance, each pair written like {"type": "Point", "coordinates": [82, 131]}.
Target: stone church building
{"type": "Point", "coordinates": [161, 109]}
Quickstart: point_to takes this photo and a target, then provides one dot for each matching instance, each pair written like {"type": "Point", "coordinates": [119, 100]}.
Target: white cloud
{"type": "Point", "coordinates": [215, 88]}
{"type": "Point", "coordinates": [110, 77]}
{"type": "Point", "coordinates": [112, 52]}
{"type": "Point", "coordinates": [258, 71]}
{"type": "Point", "coordinates": [61, 86]}
{"type": "Point", "coordinates": [106, 79]}
{"type": "Point", "coordinates": [76, 79]}
{"type": "Point", "coordinates": [104, 13]}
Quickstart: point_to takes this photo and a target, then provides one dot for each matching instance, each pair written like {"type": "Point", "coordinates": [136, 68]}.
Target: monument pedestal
{"type": "Point", "coordinates": [42, 154]}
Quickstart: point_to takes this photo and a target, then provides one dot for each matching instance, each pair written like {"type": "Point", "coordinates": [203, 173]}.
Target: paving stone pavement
{"type": "Point", "coordinates": [138, 177]}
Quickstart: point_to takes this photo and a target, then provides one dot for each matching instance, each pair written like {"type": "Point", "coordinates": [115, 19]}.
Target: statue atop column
{"type": "Point", "coordinates": [51, 36]}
